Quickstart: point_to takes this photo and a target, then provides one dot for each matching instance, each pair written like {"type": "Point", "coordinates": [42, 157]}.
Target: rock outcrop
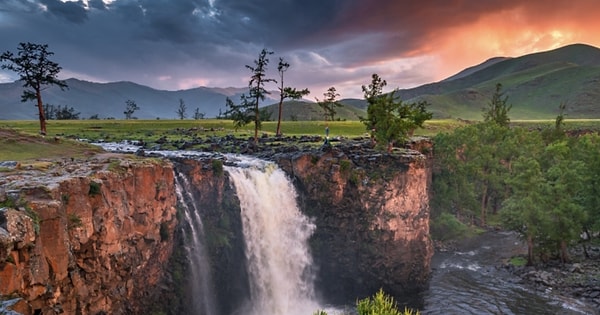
{"type": "Point", "coordinates": [372, 215]}
{"type": "Point", "coordinates": [86, 237]}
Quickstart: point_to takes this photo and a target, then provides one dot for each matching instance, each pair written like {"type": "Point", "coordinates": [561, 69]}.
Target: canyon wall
{"type": "Point", "coordinates": [101, 236]}
{"type": "Point", "coordinates": [86, 237]}
{"type": "Point", "coordinates": [372, 215]}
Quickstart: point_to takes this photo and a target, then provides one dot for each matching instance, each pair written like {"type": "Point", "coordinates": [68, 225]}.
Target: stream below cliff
{"type": "Point", "coordinates": [468, 281]}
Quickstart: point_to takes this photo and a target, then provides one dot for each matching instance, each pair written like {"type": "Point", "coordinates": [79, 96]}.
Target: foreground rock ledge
{"type": "Point", "coordinates": [86, 237]}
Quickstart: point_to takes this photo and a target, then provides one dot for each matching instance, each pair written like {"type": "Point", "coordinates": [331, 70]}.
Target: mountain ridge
{"type": "Point", "coordinates": [536, 85]}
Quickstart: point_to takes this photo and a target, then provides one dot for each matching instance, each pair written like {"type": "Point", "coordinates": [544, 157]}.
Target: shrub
{"type": "Point", "coordinates": [164, 231]}
{"type": "Point", "coordinates": [217, 166]}
{"type": "Point", "coordinates": [94, 189]}
{"type": "Point", "coordinates": [446, 227]}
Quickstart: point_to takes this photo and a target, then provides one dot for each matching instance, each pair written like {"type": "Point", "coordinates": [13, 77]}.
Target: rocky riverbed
{"type": "Point", "coordinates": [579, 279]}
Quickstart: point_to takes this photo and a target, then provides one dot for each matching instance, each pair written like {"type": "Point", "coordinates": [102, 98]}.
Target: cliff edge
{"type": "Point", "coordinates": [86, 236]}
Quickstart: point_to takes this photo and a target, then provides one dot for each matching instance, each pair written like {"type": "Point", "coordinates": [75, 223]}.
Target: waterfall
{"type": "Point", "coordinates": [276, 241]}
{"type": "Point", "coordinates": [201, 282]}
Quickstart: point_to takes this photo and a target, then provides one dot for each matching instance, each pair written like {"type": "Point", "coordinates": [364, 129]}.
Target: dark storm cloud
{"type": "Point", "coordinates": [174, 44]}
{"type": "Point", "coordinates": [71, 11]}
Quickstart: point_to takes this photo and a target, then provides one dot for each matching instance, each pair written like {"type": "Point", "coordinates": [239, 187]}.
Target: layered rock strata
{"type": "Point", "coordinates": [86, 237]}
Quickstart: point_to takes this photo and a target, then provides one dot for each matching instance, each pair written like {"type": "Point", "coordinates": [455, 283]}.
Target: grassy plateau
{"type": "Point", "coordinates": [20, 140]}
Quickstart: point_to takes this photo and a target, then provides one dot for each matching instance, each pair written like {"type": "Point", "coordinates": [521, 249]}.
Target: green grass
{"type": "Point", "coordinates": [20, 141]}
{"type": "Point", "coordinates": [23, 147]}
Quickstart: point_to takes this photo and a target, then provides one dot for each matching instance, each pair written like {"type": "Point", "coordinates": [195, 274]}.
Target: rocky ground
{"type": "Point", "coordinates": [579, 279]}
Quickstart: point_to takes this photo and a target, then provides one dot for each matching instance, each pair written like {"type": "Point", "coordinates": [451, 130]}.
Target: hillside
{"type": "Point", "coordinates": [536, 84]}
{"type": "Point", "coordinates": [108, 100]}
{"type": "Point", "coordinates": [310, 111]}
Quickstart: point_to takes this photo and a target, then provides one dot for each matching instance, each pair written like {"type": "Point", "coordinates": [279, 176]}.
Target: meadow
{"type": "Point", "coordinates": [14, 145]}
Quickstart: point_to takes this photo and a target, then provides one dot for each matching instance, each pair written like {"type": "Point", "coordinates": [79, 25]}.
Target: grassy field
{"type": "Point", "coordinates": [19, 140]}
{"type": "Point", "coordinates": [151, 130]}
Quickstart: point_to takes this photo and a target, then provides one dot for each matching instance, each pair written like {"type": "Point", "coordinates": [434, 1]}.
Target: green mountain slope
{"type": "Point", "coordinates": [535, 84]}
{"type": "Point", "coordinates": [306, 111]}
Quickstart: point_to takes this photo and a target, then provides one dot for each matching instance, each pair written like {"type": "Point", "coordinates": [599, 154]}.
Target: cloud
{"type": "Point", "coordinates": [176, 44]}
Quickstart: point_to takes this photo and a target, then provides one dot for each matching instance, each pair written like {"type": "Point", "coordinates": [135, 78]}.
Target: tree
{"type": "Point", "coordinates": [130, 108]}
{"type": "Point", "coordinates": [60, 112]}
{"type": "Point", "coordinates": [257, 91]}
{"type": "Point", "coordinates": [497, 110]}
{"type": "Point", "coordinates": [181, 110]}
{"type": "Point", "coordinates": [286, 92]}
{"type": "Point", "coordinates": [198, 114]}
{"type": "Point", "coordinates": [388, 118]}
{"type": "Point", "coordinates": [36, 72]}
{"type": "Point", "coordinates": [248, 110]}
{"type": "Point", "coordinates": [329, 104]}
{"type": "Point", "coordinates": [525, 210]}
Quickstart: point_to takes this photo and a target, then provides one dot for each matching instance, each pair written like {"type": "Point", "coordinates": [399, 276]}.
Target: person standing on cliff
{"type": "Point", "coordinates": [326, 133]}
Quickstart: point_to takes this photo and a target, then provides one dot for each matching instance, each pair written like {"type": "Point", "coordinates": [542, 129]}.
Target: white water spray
{"type": "Point", "coordinates": [276, 238]}
{"type": "Point", "coordinates": [203, 302]}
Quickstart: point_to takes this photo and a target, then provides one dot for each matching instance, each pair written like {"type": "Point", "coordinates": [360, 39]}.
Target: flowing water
{"type": "Point", "coordinates": [276, 241]}
{"type": "Point", "coordinates": [203, 302]}
{"type": "Point", "coordinates": [468, 282]}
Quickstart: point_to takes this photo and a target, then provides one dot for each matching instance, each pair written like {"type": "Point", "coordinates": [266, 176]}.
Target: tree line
{"type": "Point", "coordinates": [543, 185]}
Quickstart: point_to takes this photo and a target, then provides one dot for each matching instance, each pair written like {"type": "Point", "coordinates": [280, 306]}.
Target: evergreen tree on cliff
{"type": "Point", "coordinates": [388, 118]}
{"type": "Point", "coordinates": [286, 92]}
{"type": "Point", "coordinates": [36, 70]}
{"type": "Point", "coordinates": [248, 110]}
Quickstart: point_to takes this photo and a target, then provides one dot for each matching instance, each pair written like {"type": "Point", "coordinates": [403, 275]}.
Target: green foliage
{"type": "Point", "coordinates": [35, 218]}
{"type": "Point", "coordinates": [286, 92]}
{"type": "Point", "coordinates": [545, 189]}
{"type": "Point", "coordinates": [65, 198]}
{"type": "Point", "coordinates": [94, 189]}
{"type": "Point", "coordinates": [181, 110]}
{"type": "Point", "coordinates": [345, 165]}
{"type": "Point", "coordinates": [130, 108]}
{"type": "Point", "coordinates": [36, 71]}
{"type": "Point", "coordinates": [388, 118]}
{"type": "Point", "coordinates": [380, 304]}
{"type": "Point", "coordinates": [217, 166]}
{"type": "Point", "coordinates": [74, 221]}
{"type": "Point", "coordinates": [164, 231]}
{"type": "Point", "coordinates": [518, 261]}
{"type": "Point", "coordinates": [447, 227]}
{"type": "Point", "coordinates": [329, 104]}
{"type": "Point", "coordinates": [497, 110]}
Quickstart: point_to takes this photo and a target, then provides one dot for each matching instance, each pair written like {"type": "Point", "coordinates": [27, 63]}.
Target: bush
{"type": "Point", "coordinates": [446, 227]}
{"type": "Point", "coordinates": [94, 189]}
{"type": "Point", "coordinates": [217, 166]}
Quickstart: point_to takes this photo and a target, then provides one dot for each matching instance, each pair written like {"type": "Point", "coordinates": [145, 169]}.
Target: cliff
{"type": "Point", "coordinates": [86, 237]}
{"type": "Point", "coordinates": [372, 215]}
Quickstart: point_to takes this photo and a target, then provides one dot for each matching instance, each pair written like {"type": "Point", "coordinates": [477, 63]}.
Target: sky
{"type": "Point", "coordinates": [182, 44]}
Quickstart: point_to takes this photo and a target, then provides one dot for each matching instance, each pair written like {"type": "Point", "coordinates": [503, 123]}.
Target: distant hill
{"type": "Point", "coordinates": [108, 100]}
{"type": "Point", "coordinates": [305, 110]}
{"type": "Point", "coordinates": [536, 84]}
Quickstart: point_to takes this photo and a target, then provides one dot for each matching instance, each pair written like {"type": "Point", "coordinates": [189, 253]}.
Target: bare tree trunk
{"type": "Point", "coordinates": [484, 200]}
{"type": "Point", "coordinates": [564, 255]}
{"type": "Point", "coordinates": [278, 132]}
{"type": "Point", "coordinates": [529, 250]}
{"type": "Point", "coordinates": [40, 106]}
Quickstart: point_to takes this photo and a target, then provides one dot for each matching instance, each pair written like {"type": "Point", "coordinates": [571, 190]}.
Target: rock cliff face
{"type": "Point", "coordinates": [102, 236]}
{"type": "Point", "coordinates": [372, 216]}
{"type": "Point", "coordinates": [86, 238]}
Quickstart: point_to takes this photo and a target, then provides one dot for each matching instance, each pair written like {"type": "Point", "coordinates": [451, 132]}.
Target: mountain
{"type": "Point", "coordinates": [306, 110]}
{"type": "Point", "coordinates": [536, 84]}
{"type": "Point", "coordinates": [108, 100]}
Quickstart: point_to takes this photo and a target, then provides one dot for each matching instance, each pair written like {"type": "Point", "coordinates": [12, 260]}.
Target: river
{"type": "Point", "coordinates": [468, 281]}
